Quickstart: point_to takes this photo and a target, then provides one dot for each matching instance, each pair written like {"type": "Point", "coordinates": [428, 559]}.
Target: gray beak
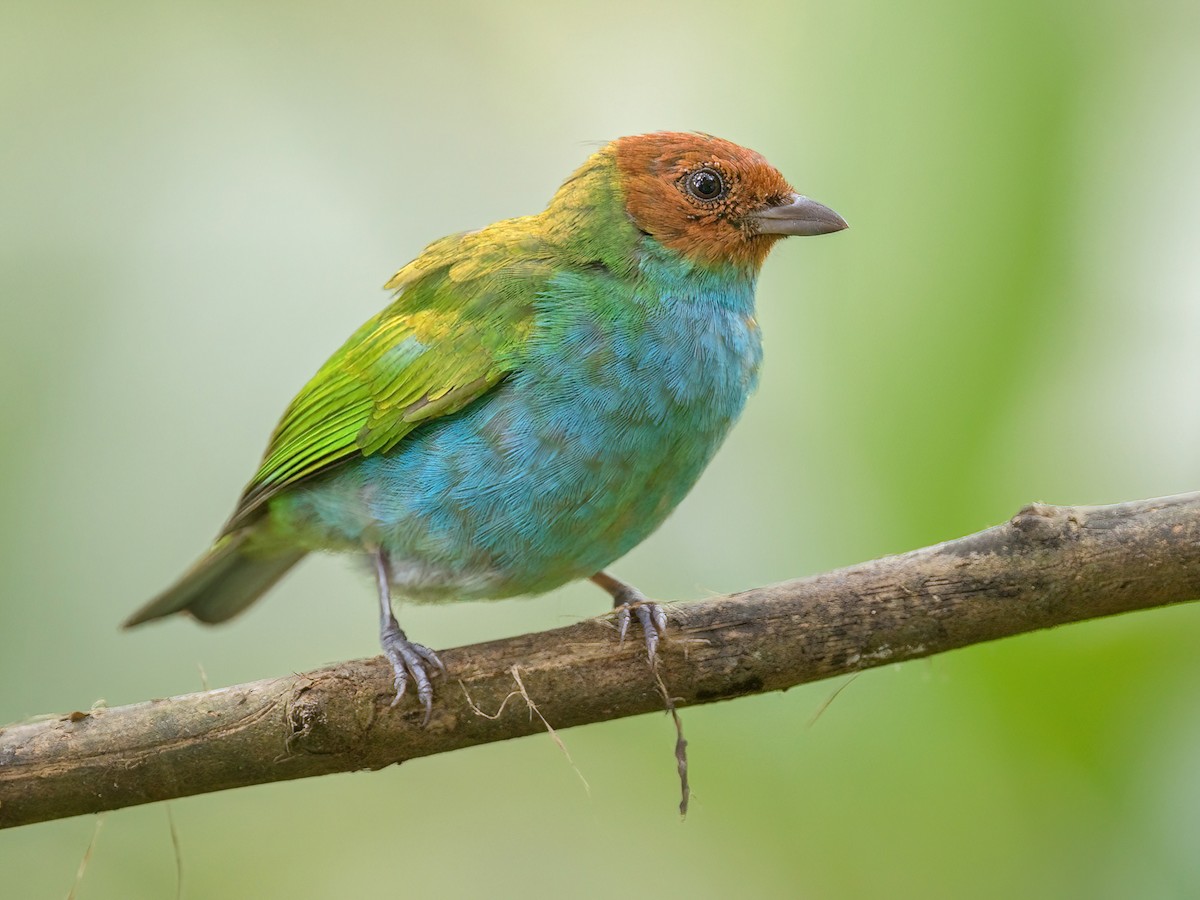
{"type": "Point", "coordinates": [799, 216]}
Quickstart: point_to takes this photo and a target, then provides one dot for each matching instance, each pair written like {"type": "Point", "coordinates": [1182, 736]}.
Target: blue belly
{"type": "Point", "coordinates": [560, 470]}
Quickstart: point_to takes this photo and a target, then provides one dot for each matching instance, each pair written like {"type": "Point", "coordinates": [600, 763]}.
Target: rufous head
{"type": "Point", "coordinates": [712, 200]}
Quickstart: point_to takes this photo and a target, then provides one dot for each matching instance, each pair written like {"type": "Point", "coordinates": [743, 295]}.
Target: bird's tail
{"type": "Point", "coordinates": [221, 583]}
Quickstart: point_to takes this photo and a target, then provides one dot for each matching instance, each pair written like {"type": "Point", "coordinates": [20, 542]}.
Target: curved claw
{"type": "Point", "coordinates": [627, 599]}
{"type": "Point", "coordinates": [654, 625]}
{"type": "Point", "coordinates": [622, 622]}
{"type": "Point", "coordinates": [650, 616]}
{"type": "Point", "coordinates": [411, 659]}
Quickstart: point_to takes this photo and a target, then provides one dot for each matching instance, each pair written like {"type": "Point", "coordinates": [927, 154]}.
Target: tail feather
{"type": "Point", "coordinates": [220, 584]}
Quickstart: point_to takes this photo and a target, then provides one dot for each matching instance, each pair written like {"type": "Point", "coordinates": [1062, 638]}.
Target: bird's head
{"type": "Point", "coordinates": [711, 200]}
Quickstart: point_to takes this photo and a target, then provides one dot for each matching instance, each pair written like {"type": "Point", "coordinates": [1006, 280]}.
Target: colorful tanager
{"type": "Point", "coordinates": [534, 401]}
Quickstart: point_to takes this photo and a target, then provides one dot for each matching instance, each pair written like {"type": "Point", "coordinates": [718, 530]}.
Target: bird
{"type": "Point", "coordinates": [534, 401]}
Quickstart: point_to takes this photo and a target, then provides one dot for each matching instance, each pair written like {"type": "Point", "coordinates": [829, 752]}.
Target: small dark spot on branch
{"type": "Point", "coordinates": [752, 685]}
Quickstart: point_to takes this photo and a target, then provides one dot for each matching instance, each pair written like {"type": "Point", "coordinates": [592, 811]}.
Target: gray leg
{"type": "Point", "coordinates": [406, 657]}
{"type": "Point", "coordinates": [625, 598]}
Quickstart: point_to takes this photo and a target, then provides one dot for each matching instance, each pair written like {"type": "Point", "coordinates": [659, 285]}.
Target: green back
{"type": "Point", "coordinates": [462, 313]}
{"type": "Point", "coordinates": [454, 330]}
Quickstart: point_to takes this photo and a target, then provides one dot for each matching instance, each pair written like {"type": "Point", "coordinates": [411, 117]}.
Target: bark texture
{"type": "Point", "coordinates": [1046, 566]}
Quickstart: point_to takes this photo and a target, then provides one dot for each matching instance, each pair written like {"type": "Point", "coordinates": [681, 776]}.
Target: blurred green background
{"type": "Point", "coordinates": [199, 202]}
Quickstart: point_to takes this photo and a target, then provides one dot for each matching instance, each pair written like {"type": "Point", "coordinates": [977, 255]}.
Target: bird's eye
{"type": "Point", "coordinates": [706, 184]}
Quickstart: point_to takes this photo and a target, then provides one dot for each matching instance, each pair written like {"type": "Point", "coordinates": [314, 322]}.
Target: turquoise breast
{"type": "Point", "coordinates": [619, 400]}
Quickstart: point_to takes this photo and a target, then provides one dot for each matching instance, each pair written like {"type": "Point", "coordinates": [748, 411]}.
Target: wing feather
{"type": "Point", "coordinates": [452, 332]}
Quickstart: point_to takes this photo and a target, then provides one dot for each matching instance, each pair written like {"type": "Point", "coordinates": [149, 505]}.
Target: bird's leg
{"type": "Point", "coordinates": [406, 657]}
{"type": "Point", "coordinates": [627, 598]}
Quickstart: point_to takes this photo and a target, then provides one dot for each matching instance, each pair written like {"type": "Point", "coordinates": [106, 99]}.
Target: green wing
{"type": "Point", "coordinates": [453, 332]}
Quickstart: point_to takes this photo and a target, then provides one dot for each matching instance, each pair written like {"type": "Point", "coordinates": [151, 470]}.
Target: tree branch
{"type": "Point", "coordinates": [1047, 566]}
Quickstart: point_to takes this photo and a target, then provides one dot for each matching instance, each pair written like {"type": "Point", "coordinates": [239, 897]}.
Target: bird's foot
{"type": "Point", "coordinates": [628, 601]}
{"type": "Point", "coordinates": [411, 660]}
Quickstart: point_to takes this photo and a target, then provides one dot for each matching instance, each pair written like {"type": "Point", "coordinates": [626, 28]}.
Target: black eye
{"type": "Point", "coordinates": [705, 184]}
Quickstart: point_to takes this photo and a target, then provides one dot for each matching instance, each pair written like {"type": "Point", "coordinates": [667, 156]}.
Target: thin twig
{"type": "Point", "coordinates": [178, 852]}
{"type": "Point", "coordinates": [829, 700]}
{"type": "Point", "coordinates": [516, 674]}
{"type": "Point", "coordinates": [87, 857]}
{"type": "Point", "coordinates": [681, 761]}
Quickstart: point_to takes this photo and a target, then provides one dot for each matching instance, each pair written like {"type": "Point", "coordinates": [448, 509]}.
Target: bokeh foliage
{"type": "Point", "coordinates": [197, 204]}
